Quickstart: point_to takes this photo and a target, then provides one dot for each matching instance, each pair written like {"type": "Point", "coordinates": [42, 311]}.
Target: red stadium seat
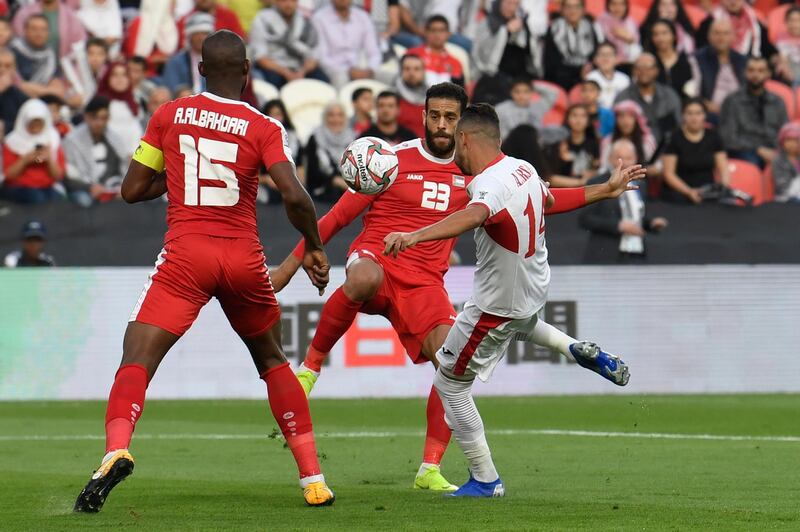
{"type": "Point", "coordinates": [769, 184]}
{"type": "Point", "coordinates": [748, 178]}
{"type": "Point", "coordinates": [575, 94]}
{"type": "Point", "coordinates": [775, 21]}
{"type": "Point", "coordinates": [786, 94]}
{"type": "Point", "coordinates": [555, 116]}
{"type": "Point", "coordinates": [696, 14]}
{"type": "Point", "coordinates": [595, 7]}
{"type": "Point", "coordinates": [764, 7]}
{"type": "Point", "coordinates": [638, 13]}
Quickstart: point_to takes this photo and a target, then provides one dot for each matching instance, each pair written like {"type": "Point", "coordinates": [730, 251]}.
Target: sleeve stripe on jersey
{"type": "Point", "coordinates": [149, 156]}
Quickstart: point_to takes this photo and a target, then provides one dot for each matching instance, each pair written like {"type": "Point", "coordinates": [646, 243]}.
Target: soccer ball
{"type": "Point", "coordinates": [369, 165]}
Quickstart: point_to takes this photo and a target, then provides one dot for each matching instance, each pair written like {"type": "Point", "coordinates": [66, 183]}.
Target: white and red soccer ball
{"type": "Point", "coordinates": [369, 165]}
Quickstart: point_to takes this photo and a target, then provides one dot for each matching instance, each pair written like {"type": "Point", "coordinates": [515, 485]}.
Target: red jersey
{"type": "Point", "coordinates": [213, 148]}
{"type": "Point", "coordinates": [439, 66]}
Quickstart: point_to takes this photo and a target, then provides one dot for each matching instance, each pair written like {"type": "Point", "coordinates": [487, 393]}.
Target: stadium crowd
{"type": "Point", "coordinates": [703, 94]}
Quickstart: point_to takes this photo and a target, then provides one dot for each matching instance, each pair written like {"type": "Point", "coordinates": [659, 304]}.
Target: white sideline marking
{"type": "Point", "coordinates": [367, 434]}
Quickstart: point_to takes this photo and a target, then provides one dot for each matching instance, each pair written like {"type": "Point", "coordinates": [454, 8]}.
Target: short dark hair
{"type": "Point", "coordinates": [49, 99]}
{"type": "Point", "coordinates": [97, 103]}
{"type": "Point", "coordinates": [406, 57]}
{"type": "Point", "coordinates": [97, 41]}
{"type": "Point", "coordinates": [591, 82]}
{"type": "Point", "coordinates": [358, 93]}
{"type": "Point", "coordinates": [522, 80]}
{"type": "Point", "coordinates": [448, 91]}
{"type": "Point", "coordinates": [790, 11]}
{"type": "Point", "coordinates": [433, 19]}
{"type": "Point", "coordinates": [604, 44]}
{"type": "Point", "coordinates": [34, 16]}
{"type": "Point", "coordinates": [138, 60]}
{"type": "Point", "coordinates": [695, 101]}
{"type": "Point", "coordinates": [753, 58]}
{"type": "Point", "coordinates": [387, 94]}
{"type": "Point", "coordinates": [483, 117]}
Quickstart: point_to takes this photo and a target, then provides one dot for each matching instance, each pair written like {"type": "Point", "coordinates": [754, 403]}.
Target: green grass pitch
{"type": "Point", "coordinates": [209, 465]}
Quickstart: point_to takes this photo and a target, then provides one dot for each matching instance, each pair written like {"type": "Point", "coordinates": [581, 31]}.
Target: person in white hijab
{"type": "Point", "coordinates": [33, 161]}
{"type": "Point", "coordinates": [324, 151]}
{"type": "Point", "coordinates": [102, 18]}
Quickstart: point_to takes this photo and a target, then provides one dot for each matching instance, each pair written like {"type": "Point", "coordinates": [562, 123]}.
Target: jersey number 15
{"type": "Point", "coordinates": [197, 165]}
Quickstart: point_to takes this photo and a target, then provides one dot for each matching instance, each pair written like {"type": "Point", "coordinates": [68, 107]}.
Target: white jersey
{"type": "Point", "coordinates": [512, 273]}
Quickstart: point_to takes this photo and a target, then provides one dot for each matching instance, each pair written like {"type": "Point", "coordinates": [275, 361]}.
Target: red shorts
{"type": "Point", "coordinates": [193, 268]}
{"type": "Point", "coordinates": [413, 309]}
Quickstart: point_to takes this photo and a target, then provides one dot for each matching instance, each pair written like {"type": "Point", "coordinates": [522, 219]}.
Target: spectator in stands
{"type": "Point", "coordinates": [673, 11]}
{"type": "Point", "coordinates": [630, 124]}
{"type": "Point", "coordinates": [618, 228]}
{"type": "Point", "coordinates": [749, 36]}
{"type": "Point", "coordinates": [385, 16]}
{"type": "Point", "coordinates": [125, 113]}
{"type": "Point", "coordinates": [31, 252]}
{"type": "Point", "coordinates": [788, 45]}
{"type": "Point", "coordinates": [570, 44]}
{"type": "Point", "coordinates": [620, 30]}
{"type": "Point", "coordinates": [660, 103]}
{"type": "Point", "coordinates": [578, 155]}
{"type": "Point", "coordinates": [267, 191]}
{"type": "Point", "coordinates": [786, 165]}
{"type": "Point", "coordinates": [505, 48]}
{"type": "Point", "coordinates": [96, 57]}
{"type": "Point", "coordinates": [348, 46]}
{"type": "Point", "coordinates": [522, 109]}
{"type": "Point", "coordinates": [181, 69]}
{"type": "Point", "coordinates": [141, 86]}
{"type": "Point", "coordinates": [33, 161]}
{"type": "Point", "coordinates": [692, 156]}
{"type": "Point", "coordinates": [440, 66]}
{"type": "Point", "coordinates": [152, 35]}
{"type": "Point", "coordinates": [65, 28]}
{"type": "Point", "coordinates": [36, 63]}
{"type": "Point", "coordinates": [157, 97]}
{"type": "Point", "coordinates": [55, 105]}
{"type": "Point", "coordinates": [674, 68]}
{"type": "Point", "coordinates": [102, 19]}
{"type": "Point", "coordinates": [752, 116]}
{"type": "Point", "coordinates": [386, 126]}
{"type": "Point", "coordinates": [414, 15]}
{"type": "Point", "coordinates": [719, 68]}
{"type": "Point", "coordinates": [523, 143]}
{"type": "Point", "coordinates": [6, 32]}
{"type": "Point", "coordinates": [324, 151]}
{"type": "Point", "coordinates": [282, 42]}
{"type": "Point", "coordinates": [411, 89]}
{"type": "Point", "coordinates": [601, 117]}
{"type": "Point", "coordinates": [245, 10]}
{"type": "Point", "coordinates": [11, 96]}
{"type": "Point", "coordinates": [96, 157]}
{"type": "Point", "coordinates": [224, 18]}
{"type": "Point", "coordinates": [363, 106]}
{"type": "Point", "coordinates": [606, 75]}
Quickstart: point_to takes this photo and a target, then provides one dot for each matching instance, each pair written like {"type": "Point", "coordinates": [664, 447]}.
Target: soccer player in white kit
{"type": "Point", "coordinates": [507, 206]}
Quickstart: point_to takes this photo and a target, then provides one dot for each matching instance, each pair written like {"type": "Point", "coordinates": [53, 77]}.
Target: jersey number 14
{"type": "Point", "coordinates": [197, 165]}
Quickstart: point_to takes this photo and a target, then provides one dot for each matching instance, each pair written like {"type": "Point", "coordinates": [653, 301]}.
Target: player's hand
{"type": "Point", "coordinates": [626, 227]}
{"type": "Point", "coordinates": [623, 179]}
{"type": "Point", "coordinates": [281, 275]}
{"type": "Point", "coordinates": [397, 242]}
{"type": "Point", "coordinates": [316, 265]}
{"type": "Point", "coordinates": [658, 224]}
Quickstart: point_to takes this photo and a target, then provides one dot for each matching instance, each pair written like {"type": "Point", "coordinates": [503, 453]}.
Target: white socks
{"type": "Point", "coordinates": [305, 481]}
{"type": "Point", "coordinates": [546, 335]}
{"type": "Point", "coordinates": [303, 367]}
{"type": "Point", "coordinates": [464, 419]}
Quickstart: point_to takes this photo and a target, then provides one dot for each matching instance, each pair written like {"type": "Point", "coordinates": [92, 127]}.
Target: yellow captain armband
{"type": "Point", "coordinates": [149, 156]}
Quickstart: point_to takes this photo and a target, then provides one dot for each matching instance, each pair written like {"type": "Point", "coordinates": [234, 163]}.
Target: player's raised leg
{"type": "Point", "coordinates": [144, 347]}
{"type": "Point", "coordinates": [364, 278]}
{"type": "Point", "coordinates": [587, 354]}
{"type": "Point", "coordinates": [289, 407]}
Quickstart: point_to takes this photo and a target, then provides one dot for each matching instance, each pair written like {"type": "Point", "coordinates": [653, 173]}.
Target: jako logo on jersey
{"type": "Point", "coordinates": [458, 181]}
{"type": "Point", "coordinates": [414, 177]}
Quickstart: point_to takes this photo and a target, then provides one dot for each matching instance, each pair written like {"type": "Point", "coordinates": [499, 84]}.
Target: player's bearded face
{"type": "Point", "coordinates": [441, 119]}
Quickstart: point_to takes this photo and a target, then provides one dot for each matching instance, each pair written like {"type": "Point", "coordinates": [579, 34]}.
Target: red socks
{"type": "Point", "coordinates": [338, 314]}
{"type": "Point", "coordinates": [290, 408]}
{"type": "Point", "coordinates": [125, 405]}
{"type": "Point", "coordinates": [438, 434]}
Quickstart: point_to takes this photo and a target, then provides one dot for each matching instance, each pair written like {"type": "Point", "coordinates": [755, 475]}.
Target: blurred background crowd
{"type": "Point", "coordinates": [703, 94]}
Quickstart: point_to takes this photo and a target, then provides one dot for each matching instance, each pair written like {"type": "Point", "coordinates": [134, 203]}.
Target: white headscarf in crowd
{"type": "Point", "coordinates": [102, 18]}
{"type": "Point", "coordinates": [157, 28]}
{"type": "Point", "coordinates": [330, 144]}
{"type": "Point", "coordinates": [20, 141]}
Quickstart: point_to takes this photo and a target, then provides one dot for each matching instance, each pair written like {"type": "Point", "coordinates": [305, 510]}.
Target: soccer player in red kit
{"type": "Point", "coordinates": [409, 290]}
{"type": "Point", "coordinates": [212, 146]}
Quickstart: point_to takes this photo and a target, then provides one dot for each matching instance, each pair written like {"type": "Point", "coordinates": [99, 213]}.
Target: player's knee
{"type": "Point", "coordinates": [363, 281]}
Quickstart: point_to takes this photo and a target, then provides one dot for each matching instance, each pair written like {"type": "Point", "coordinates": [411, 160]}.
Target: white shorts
{"type": "Point", "coordinates": [478, 341]}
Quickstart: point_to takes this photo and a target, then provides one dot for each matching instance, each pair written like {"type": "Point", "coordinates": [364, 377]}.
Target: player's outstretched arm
{"type": "Point", "coordinates": [622, 179]}
{"type": "Point", "coordinates": [142, 183]}
{"type": "Point", "coordinates": [303, 216]}
{"type": "Point", "coordinates": [454, 225]}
